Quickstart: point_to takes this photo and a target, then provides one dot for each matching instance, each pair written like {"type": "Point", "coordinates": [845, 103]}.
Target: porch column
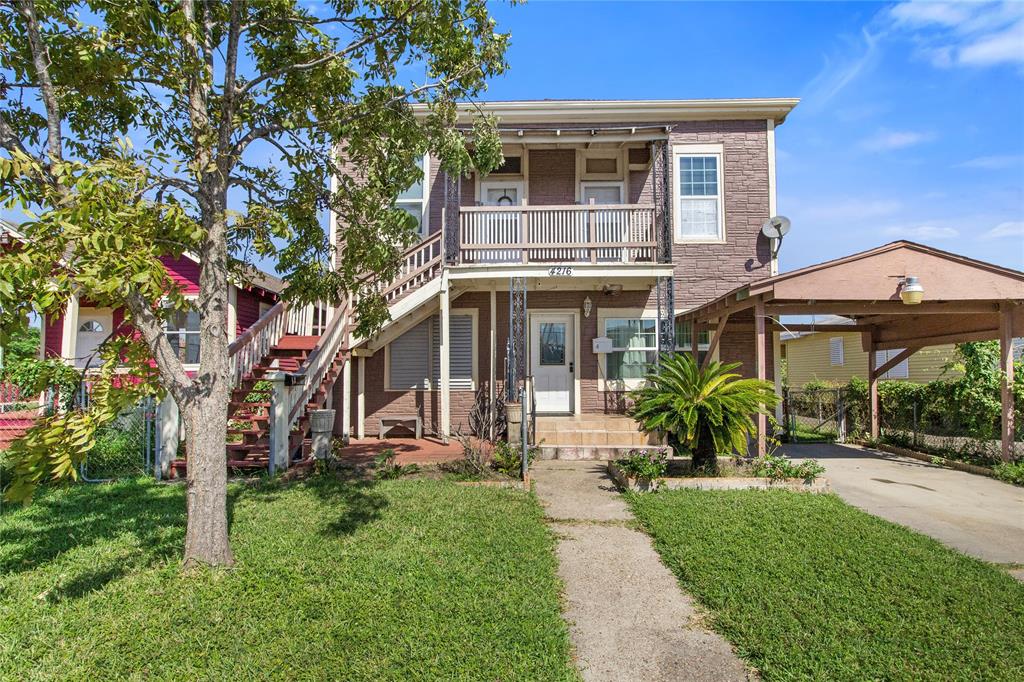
{"type": "Point", "coordinates": [777, 371]}
{"type": "Point", "coordinates": [873, 389]}
{"type": "Point", "coordinates": [762, 374]}
{"type": "Point", "coordinates": [492, 390]}
{"type": "Point", "coordinates": [170, 435]}
{"type": "Point", "coordinates": [346, 403]}
{"type": "Point", "coordinates": [232, 312]}
{"type": "Point", "coordinates": [694, 345]}
{"type": "Point", "coordinates": [69, 331]}
{"type": "Point", "coordinates": [361, 398]}
{"type": "Point", "coordinates": [1006, 311]}
{"type": "Point", "coordinates": [444, 383]}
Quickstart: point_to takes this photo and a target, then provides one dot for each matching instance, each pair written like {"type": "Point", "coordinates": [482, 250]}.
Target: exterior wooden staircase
{"type": "Point", "coordinates": [277, 343]}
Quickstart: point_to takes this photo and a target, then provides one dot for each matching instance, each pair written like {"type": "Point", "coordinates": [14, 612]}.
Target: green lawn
{"type": "Point", "coordinates": [807, 587]}
{"type": "Point", "coordinates": [395, 580]}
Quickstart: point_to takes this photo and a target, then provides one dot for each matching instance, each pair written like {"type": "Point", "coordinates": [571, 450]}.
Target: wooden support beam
{"type": "Point", "coordinates": [492, 363]}
{"type": "Point", "coordinates": [361, 398]}
{"type": "Point", "coordinates": [762, 371]}
{"type": "Point", "coordinates": [694, 345]}
{"type": "Point", "coordinates": [895, 360]}
{"type": "Point", "coordinates": [444, 387]}
{"type": "Point", "coordinates": [879, 308]}
{"type": "Point", "coordinates": [1006, 330]}
{"type": "Point", "coordinates": [872, 386]}
{"type": "Point", "coordinates": [714, 340]}
{"type": "Point", "coordinates": [935, 340]}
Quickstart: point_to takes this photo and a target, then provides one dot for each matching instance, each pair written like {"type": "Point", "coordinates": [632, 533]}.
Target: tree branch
{"type": "Point", "coordinates": [148, 324]}
{"type": "Point", "coordinates": [41, 63]}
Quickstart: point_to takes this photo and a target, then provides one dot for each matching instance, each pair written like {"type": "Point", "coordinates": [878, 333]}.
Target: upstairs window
{"type": "Point", "coordinates": [414, 200]}
{"type": "Point", "coordinates": [183, 334]}
{"type": "Point", "coordinates": [512, 165]}
{"type": "Point", "coordinates": [698, 194]}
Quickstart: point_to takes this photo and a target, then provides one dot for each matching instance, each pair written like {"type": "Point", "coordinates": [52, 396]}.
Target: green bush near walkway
{"type": "Point", "coordinates": [808, 587]}
{"type": "Point", "coordinates": [335, 580]}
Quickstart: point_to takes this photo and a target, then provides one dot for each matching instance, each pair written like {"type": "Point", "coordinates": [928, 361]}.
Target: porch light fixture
{"type": "Point", "coordinates": [612, 289]}
{"type": "Point", "coordinates": [588, 305]}
{"type": "Point", "coordinates": [912, 292]}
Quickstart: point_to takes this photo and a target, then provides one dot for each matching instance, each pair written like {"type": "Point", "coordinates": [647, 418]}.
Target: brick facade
{"type": "Point", "coordinates": [702, 271]}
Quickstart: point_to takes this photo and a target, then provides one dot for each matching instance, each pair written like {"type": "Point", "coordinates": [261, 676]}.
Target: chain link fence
{"type": "Point", "coordinates": [814, 415]}
{"type": "Point", "coordinates": [125, 448]}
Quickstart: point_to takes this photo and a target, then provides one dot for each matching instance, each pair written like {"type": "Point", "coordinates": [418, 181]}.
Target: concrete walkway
{"type": "Point", "coordinates": [627, 616]}
{"type": "Point", "coordinates": [975, 514]}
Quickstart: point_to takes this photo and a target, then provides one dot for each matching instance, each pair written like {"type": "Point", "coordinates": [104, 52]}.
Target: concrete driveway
{"type": "Point", "coordinates": [977, 515]}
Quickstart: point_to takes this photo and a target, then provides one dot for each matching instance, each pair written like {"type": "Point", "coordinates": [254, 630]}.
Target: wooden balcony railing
{"type": "Point", "coordinates": [589, 233]}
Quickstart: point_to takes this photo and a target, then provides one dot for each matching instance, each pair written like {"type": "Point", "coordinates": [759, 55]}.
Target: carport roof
{"type": "Point", "coordinates": [962, 296]}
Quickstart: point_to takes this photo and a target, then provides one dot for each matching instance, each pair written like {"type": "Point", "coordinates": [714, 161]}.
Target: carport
{"type": "Point", "coordinates": [901, 295]}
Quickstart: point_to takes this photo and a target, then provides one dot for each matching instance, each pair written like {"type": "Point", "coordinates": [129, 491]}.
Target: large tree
{"type": "Point", "coordinates": [132, 130]}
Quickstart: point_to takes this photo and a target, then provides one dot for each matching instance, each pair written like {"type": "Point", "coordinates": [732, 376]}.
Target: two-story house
{"type": "Point", "coordinates": [562, 271]}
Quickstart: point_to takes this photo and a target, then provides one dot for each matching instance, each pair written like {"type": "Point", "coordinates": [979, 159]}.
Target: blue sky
{"type": "Point", "coordinates": [911, 123]}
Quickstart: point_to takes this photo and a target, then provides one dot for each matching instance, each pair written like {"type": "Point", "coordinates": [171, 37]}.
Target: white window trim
{"type": "Point", "coordinates": [604, 384]}
{"type": "Point", "coordinates": [842, 351]}
{"type": "Point", "coordinates": [488, 184]}
{"type": "Point", "coordinates": [604, 183]}
{"type": "Point", "coordinates": [474, 314]}
{"type": "Point", "coordinates": [189, 366]}
{"type": "Point", "coordinates": [422, 201]}
{"type": "Point", "coordinates": [680, 150]}
{"type": "Point", "coordinates": [598, 153]}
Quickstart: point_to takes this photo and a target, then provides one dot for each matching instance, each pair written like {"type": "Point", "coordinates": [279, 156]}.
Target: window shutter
{"type": "Point", "coordinates": [460, 336]}
{"type": "Point", "coordinates": [408, 360]}
{"type": "Point", "coordinates": [900, 371]}
{"type": "Point", "coordinates": [835, 351]}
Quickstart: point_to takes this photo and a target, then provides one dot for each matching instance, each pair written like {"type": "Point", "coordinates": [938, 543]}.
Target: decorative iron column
{"type": "Point", "coordinates": [515, 370]}
{"type": "Point", "coordinates": [452, 201]}
{"type": "Point", "coordinates": [662, 198]}
{"type": "Point", "coordinates": [666, 315]}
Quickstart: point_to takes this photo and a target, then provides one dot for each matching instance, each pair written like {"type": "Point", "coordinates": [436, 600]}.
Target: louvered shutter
{"type": "Point", "coordinates": [460, 336]}
{"type": "Point", "coordinates": [410, 355]}
{"type": "Point", "coordinates": [835, 351]}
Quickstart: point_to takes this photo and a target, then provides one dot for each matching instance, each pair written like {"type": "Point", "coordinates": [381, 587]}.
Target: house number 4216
{"type": "Point", "coordinates": [560, 271]}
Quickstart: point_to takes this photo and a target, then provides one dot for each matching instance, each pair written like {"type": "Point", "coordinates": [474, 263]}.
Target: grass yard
{"type": "Point", "coordinates": [808, 587]}
{"type": "Point", "coordinates": [335, 580]}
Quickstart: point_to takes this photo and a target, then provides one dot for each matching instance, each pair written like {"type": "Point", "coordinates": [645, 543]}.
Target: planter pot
{"type": "Point", "coordinates": [514, 412]}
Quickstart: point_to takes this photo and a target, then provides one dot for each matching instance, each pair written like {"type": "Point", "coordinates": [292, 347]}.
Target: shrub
{"type": "Point", "coordinates": [387, 468]}
{"type": "Point", "coordinates": [644, 464]}
{"type": "Point", "coordinates": [710, 411]}
{"type": "Point", "coordinates": [1011, 472]}
{"type": "Point", "coordinates": [116, 453]}
{"type": "Point", "coordinates": [779, 468]}
{"type": "Point", "coordinates": [508, 458]}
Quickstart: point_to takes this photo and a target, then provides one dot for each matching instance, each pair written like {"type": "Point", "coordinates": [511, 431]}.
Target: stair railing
{"type": "Point", "coordinates": [249, 349]}
{"type": "Point", "coordinates": [307, 379]}
{"type": "Point", "coordinates": [420, 264]}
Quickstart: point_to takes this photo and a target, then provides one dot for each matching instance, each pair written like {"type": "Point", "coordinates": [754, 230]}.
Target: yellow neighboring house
{"type": "Point", "coordinates": [837, 357]}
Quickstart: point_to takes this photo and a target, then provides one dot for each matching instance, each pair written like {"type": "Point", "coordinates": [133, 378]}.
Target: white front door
{"type": "Point", "coordinates": [94, 326]}
{"type": "Point", "coordinates": [552, 361]}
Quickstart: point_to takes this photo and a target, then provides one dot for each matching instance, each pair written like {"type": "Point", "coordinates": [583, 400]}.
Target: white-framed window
{"type": "Point", "coordinates": [182, 329]}
{"type": "Point", "coordinates": [900, 371]}
{"type": "Point", "coordinates": [634, 348]}
{"type": "Point", "coordinates": [698, 191]}
{"type": "Point", "coordinates": [602, 192]}
{"type": "Point", "coordinates": [836, 356]}
{"type": "Point", "coordinates": [684, 339]}
{"type": "Point", "coordinates": [414, 200]}
{"type": "Point", "coordinates": [413, 360]}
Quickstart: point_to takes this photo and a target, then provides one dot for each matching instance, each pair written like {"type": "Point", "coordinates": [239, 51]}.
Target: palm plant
{"type": "Point", "coordinates": [710, 411]}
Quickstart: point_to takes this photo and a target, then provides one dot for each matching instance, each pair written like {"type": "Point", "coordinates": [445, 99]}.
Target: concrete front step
{"type": "Point", "coordinates": [596, 437]}
{"type": "Point", "coordinates": [590, 452]}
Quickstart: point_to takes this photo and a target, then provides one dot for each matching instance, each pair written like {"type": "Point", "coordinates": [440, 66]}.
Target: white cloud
{"type": "Point", "coordinates": [995, 162]}
{"type": "Point", "coordinates": [932, 232]}
{"type": "Point", "coordinates": [1010, 228]}
{"type": "Point", "coordinates": [963, 34]}
{"type": "Point", "coordinates": [888, 140]}
{"type": "Point", "coordinates": [839, 72]}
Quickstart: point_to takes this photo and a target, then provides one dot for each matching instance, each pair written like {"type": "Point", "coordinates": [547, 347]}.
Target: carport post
{"type": "Point", "coordinates": [873, 388]}
{"type": "Point", "coordinates": [1006, 367]}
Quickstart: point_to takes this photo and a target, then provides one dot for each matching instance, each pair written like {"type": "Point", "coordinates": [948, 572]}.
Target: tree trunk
{"type": "Point", "coordinates": [704, 455]}
{"type": "Point", "coordinates": [206, 534]}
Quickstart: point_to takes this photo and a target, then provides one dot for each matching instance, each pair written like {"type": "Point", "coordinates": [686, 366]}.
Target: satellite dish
{"type": "Point", "coordinates": [776, 227]}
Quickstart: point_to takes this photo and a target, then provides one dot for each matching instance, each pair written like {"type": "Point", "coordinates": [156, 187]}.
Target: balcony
{"type": "Point", "coordinates": [588, 233]}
